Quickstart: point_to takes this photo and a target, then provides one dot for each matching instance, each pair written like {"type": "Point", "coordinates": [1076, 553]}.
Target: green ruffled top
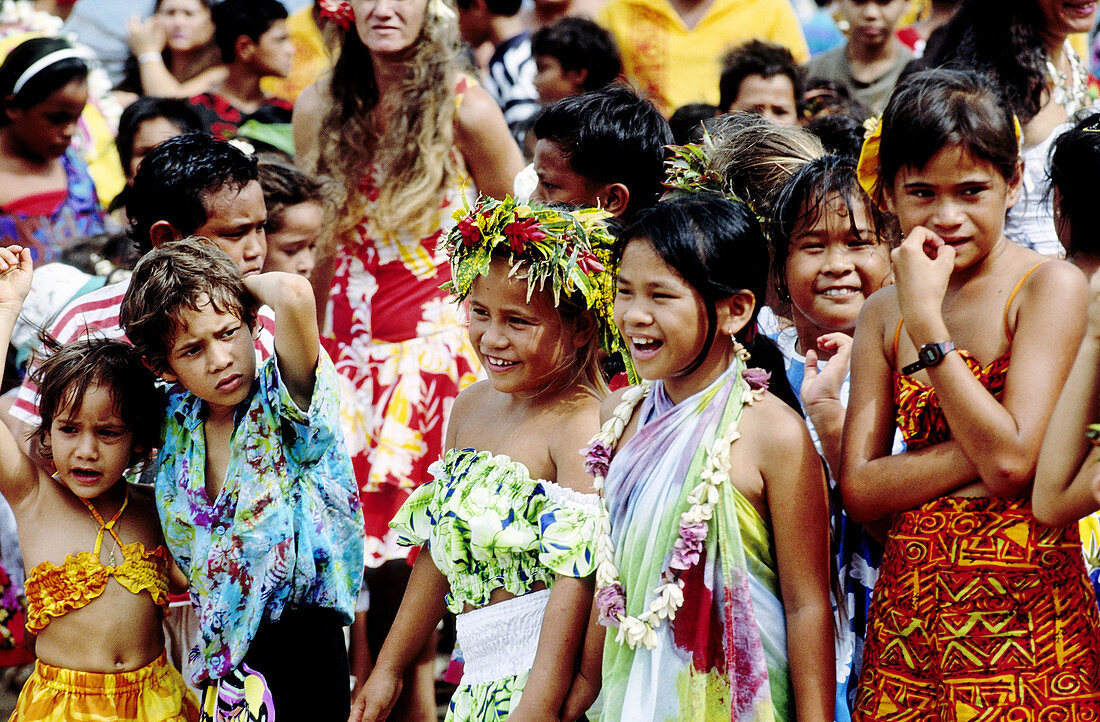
{"type": "Point", "coordinates": [489, 525]}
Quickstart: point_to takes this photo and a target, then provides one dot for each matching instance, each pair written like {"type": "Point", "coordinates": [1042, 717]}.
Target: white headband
{"type": "Point", "coordinates": [44, 62]}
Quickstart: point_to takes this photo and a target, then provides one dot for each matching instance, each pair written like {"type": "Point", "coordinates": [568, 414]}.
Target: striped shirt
{"type": "Point", "coordinates": [511, 82]}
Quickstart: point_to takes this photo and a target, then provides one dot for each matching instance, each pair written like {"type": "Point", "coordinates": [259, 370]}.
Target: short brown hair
{"type": "Point", "coordinates": [174, 276]}
{"type": "Point", "coordinates": [68, 371]}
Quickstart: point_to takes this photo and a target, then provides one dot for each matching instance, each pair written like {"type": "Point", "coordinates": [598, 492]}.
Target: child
{"type": "Point", "coordinates": [295, 215]}
{"type": "Point", "coordinates": [762, 78]}
{"type": "Point", "coordinates": [100, 647]}
{"type": "Point", "coordinates": [1074, 176]}
{"type": "Point", "coordinates": [966, 567]}
{"type": "Point", "coordinates": [47, 198]}
{"type": "Point", "coordinates": [254, 44]}
{"type": "Point", "coordinates": [572, 56]}
{"type": "Point", "coordinates": [254, 487]}
{"type": "Point", "coordinates": [605, 148]}
{"type": "Point", "coordinates": [508, 524]}
{"type": "Point", "coordinates": [713, 559]}
{"type": "Point", "coordinates": [872, 60]}
{"type": "Point", "coordinates": [830, 254]}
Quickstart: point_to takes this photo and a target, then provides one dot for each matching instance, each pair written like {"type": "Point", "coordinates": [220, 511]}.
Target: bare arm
{"type": "Point", "coordinates": [309, 111]}
{"type": "Point", "coordinates": [421, 609]}
{"type": "Point", "coordinates": [18, 474]}
{"type": "Point", "coordinates": [589, 678]}
{"type": "Point", "coordinates": [297, 343]}
{"type": "Point", "coordinates": [1068, 464]}
{"type": "Point", "coordinates": [874, 484]}
{"type": "Point", "coordinates": [482, 137]}
{"type": "Point", "coordinates": [821, 394]}
{"type": "Point", "coordinates": [147, 39]}
{"type": "Point", "coordinates": [798, 506]}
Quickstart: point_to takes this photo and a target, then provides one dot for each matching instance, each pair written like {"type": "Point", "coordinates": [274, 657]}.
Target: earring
{"type": "Point", "coordinates": [739, 350]}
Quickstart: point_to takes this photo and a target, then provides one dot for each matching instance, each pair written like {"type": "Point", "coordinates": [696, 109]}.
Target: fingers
{"type": "Point", "coordinates": [15, 257]}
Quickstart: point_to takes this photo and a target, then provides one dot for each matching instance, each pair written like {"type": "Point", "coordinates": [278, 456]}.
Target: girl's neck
{"type": "Point", "coordinates": [719, 359]}
{"type": "Point", "coordinates": [1055, 45]}
{"type": "Point", "coordinates": [188, 64]}
{"type": "Point", "coordinates": [11, 147]}
{"type": "Point", "coordinates": [862, 54]}
{"type": "Point", "coordinates": [244, 89]}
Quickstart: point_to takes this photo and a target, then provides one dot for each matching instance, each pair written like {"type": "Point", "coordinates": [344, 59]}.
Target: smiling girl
{"type": "Point", "coordinates": [95, 601]}
{"type": "Point", "coordinates": [966, 353]}
{"type": "Point", "coordinates": [713, 556]}
{"type": "Point", "coordinates": [508, 524]}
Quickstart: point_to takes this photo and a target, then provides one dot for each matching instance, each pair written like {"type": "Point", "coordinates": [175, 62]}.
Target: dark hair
{"type": "Point", "coordinates": [756, 57]}
{"type": "Point", "coordinates": [178, 275]}
{"type": "Point", "coordinates": [839, 133]}
{"type": "Point", "coordinates": [580, 44]}
{"type": "Point", "coordinates": [251, 18]}
{"type": "Point", "coordinates": [47, 80]}
{"type": "Point", "coordinates": [1075, 172]}
{"type": "Point", "coordinates": [285, 186]}
{"type": "Point", "coordinates": [717, 247]}
{"type": "Point", "coordinates": [1003, 39]}
{"type": "Point", "coordinates": [178, 112]}
{"type": "Point", "coordinates": [805, 197]}
{"type": "Point", "coordinates": [936, 108]}
{"type": "Point", "coordinates": [822, 97]}
{"type": "Point", "coordinates": [67, 372]}
{"type": "Point", "coordinates": [507, 8]}
{"type": "Point", "coordinates": [686, 122]}
{"type": "Point", "coordinates": [610, 135]}
{"type": "Point", "coordinates": [131, 73]}
{"type": "Point", "coordinates": [175, 178]}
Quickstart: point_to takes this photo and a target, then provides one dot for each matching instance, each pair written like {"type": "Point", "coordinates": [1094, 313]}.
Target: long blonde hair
{"type": "Point", "coordinates": [409, 194]}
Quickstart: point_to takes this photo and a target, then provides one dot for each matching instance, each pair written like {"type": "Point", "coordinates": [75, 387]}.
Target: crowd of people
{"type": "Point", "coordinates": [714, 410]}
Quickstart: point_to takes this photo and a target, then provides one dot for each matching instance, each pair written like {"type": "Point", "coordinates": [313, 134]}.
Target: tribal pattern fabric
{"type": "Point", "coordinates": [981, 613]}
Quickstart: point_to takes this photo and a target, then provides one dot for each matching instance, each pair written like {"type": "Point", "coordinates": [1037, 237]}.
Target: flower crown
{"type": "Point", "coordinates": [870, 164]}
{"type": "Point", "coordinates": [564, 251]}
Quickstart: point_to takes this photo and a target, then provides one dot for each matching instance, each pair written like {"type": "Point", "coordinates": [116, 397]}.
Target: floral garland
{"type": "Point", "coordinates": [563, 251]}
{"type": "Point", "coordinates": [610, 598]}
{"type": "Point", "coordinates": [338, 11]}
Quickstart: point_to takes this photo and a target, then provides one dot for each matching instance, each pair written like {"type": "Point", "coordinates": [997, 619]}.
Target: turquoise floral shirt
{"type": "Point", "coordinates": [286, 531]}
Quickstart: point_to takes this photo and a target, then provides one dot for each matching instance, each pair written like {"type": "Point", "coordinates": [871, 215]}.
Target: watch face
{"type": "Point", "coordinates": [930, 354]}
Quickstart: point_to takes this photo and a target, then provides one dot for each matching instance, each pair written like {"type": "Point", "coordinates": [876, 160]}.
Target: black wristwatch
{"type": "Point", "coordinates": [930, 355]}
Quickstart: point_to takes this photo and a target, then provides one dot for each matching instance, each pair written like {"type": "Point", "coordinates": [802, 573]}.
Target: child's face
{"type": "Point", "coordinates": [235, 221]}
{"type": "Point", "coordinates": [524, 347]}
{"type": "Point", "coordinates": [45, 130]}
{"type": "Point", "coordinates": [833, 265]}
{"type": "Point", "coordinates": [771, 98]}
{"type": "Point", "coordinates": [872, 22]}
{"type": "Point", "coordinates": [150, 133]}
{"type": "Point", "coordinates": [558, 182]}
{"type": "Point", "coordinates": [554, 82]}
{"type": "Point", "coordinates": [92, 445]}
{"type": "Point", "coordinates": [212, 355]}
{"type": "Point", "coordinates": [274, 51]}
{"type": "Point", "coordinates": [960, 198]}
{"type": "Point", "coordinates": [291, 247]}
{"type": "Point", "coordinates": [661, 317]}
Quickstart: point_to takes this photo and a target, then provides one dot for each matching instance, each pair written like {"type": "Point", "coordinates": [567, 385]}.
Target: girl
{"type": "Point", "coordinates": [1074, 179]}
{"type": "Point", "coordinates": [47, 199]}
{"type": "Point", "coordinates": [94, 601]}
{"type": "Point", "coordinates": [972, 591]}
{"type": "Point", "coordinates": [830, 255]}
{"type": "Point", "coordinates": [174, 54]}
{"type": "Point", "coordinates": [717, 548]}
{"type": "Point", "coordinates": [510, 512]}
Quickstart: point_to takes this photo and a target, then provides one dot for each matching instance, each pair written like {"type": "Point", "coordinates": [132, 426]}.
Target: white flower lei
{"type": "Point", "coordinates": [641, 630]}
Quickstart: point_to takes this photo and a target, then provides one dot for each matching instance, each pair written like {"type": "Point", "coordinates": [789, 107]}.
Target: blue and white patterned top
{"type": "Point", "coordinates": [286, 530]}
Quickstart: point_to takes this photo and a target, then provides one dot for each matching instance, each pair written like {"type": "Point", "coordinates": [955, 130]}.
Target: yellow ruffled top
{"type": "Point", "coordinates": [53, 591]}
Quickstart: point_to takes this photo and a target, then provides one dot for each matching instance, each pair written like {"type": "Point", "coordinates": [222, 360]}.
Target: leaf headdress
{"type": "Point", "coordinates": [566, 252]}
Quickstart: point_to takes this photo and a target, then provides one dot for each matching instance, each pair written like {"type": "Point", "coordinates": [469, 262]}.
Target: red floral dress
{"type": "Point", "coordinates": [401, 348]}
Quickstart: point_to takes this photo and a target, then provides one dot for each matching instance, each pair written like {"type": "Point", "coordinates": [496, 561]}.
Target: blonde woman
{"type": "Point", "coordinates": [406, 134]}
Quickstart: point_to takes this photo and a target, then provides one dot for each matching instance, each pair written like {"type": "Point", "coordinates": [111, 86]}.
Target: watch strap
{"type": "Point", "coordinates": [941, 349]}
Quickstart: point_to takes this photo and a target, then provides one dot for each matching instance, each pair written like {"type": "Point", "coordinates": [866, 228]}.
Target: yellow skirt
{"type": "Point", "coordinates": [154, 693]}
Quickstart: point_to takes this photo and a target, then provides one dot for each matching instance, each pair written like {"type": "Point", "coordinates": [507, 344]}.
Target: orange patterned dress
{"type": "Point", "coordinates": [980, 612]}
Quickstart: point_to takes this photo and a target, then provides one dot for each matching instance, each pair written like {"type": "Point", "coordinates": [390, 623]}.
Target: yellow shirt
{"type": "Point", "coordinates": [311, 57]}
{"type": "Point", "coordinates": [675, 65]}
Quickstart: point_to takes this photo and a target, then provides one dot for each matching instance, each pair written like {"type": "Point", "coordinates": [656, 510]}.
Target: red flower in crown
{"type": "Point", "coordinates": [588, 263]}
{"type": "Point", "coordinates": [520, 233]}
{"type": "Point", "coordinates": [470, 233]}
{"type": "Point", "coordinates": [339, 11]}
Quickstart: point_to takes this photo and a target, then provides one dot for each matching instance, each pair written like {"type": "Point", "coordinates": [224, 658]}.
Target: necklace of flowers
{"type": "Point", "coordinates": [1072, 92]}
{"type": "Point", "coordinates": [694, 523]}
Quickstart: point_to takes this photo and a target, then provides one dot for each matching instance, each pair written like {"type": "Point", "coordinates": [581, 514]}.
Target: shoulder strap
{"type": "Point", "coordinates": [897, 337]}
{"type": "Point", "coordinates": [1012, 296]}
{"type": "Point", "coordinates": [108, 526]}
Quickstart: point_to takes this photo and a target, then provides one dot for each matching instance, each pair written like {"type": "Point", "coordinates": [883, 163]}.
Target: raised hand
{"type": "Point", "coordinates": [825, 385]}
{"type": "Point", "coordinates": [16, 272]}
{"type": "Point", "coordinates": [923, 265]}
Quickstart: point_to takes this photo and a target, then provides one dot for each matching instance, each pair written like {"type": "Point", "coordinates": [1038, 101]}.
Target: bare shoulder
{"type": "Point", "coordinates": [476, 108]}
{"type": "Point", "coordinates": [774, 428]}
{"type": "Point", "coordinates": [313, 99]}
{"type": "Point", "coordinates": [1055, 276]}
{"type": "Point", "coordinates": [469, 401]}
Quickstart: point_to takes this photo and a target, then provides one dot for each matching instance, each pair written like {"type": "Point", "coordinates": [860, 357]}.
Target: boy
{"type": "Point", "coordinates": [870, 63]}
{"type": "Point", "coordinates": [605, 148]}
{"type": "Point", "coordinates": [572, 56]}
{"type": "Point", "coordinates": [190, 184]}
{"type": "Point", "coordinates": [295, 216]}
{"type": "Point", "coordinates": [254, 488]}
{"type": "Point", "coordinates": [761, 78]}
{"type": "Point", "coordinates": [254, 43]}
